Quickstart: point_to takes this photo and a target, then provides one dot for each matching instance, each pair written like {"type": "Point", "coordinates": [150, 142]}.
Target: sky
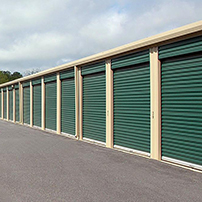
{"type": "Point", "coordinates": [36, 34]}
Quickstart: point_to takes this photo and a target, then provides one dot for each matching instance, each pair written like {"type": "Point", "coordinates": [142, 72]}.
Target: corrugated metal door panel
{"type": "Point", "coordinates": [183, 47]}
{"type": "Point", "coordinates": [17, 107]}
{"type": "Point", "coordinates": [182, 109]}
{"type": "Point", "coordinates": [16, 86]}
{"type": "Point", "coordinates": [36, 81]}
{"type": "Point", "coordinates": [68, 106]}
{"type": "Point", "coordinates": [37, 105]}
{"type": "Point", "coordinates": [132, 107]}
{"type": "Point", "coordinates": [10, 105]}
{"type": "Point", "coordinates": [0, 104]}
{"type": "Point", "coordinates": [26, 105]}
{"type": "Point", "coordinates": [67, 74]}
{"type": "Point", "coordinates": [50, 78]}
{"type": "Point", "coordinates": [51, 105]}
{"type": "Point", "coordinates": [5, 104]}
{"type": "Point", "coordinates": [26, 84]}
{"type": "Point", "coordinates": [93, 68]}
{"type": "Point", "coordinates": [94, 106]}
{"type": "Point", "coordinates": [131, 59]}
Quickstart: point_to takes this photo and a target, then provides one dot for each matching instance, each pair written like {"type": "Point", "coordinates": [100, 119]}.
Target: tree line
{"type": "Point", "coordinates": [6, 76]}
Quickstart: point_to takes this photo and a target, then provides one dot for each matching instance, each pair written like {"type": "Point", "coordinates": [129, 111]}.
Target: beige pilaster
{"type": "Point", "coordinates": [109, 105]}
{"type": "Point", "coordinates": [80, 105]}
{"type": "Point", "coordinates": [155, 83]}
{"type": "Point", "coordinates": [21, 102]}
{"type": "Point", "coordinates": [42, 104]}
{"type": "Point", "coordinates": [7, 93]}
{"type": "Point", "coordinates": [2, 104]}
{"type": "Point", "coordinates": [31, 104]}
{"type": "Point", "coordinates": [76, 73]}
{"type": "Point", "coordinates": [58, 104]}
{"type": "Point", "coordinates": [14, 120]}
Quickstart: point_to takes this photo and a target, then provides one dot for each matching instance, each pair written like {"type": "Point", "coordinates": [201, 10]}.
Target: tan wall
{"type": "Point", "coordinates": [109, 105]}
{"type": "Point", "coordinates": [80, 105]}
{"type": "Point", "coordinates": [31, 104]}
{"type": "Point", "coordinates": [7, 93]}
{"type": "Point", "coordinates": [14, 105]}
{"type": "Point", "coordinates": [58, 104]}
{"type": "Point", "coordinates": [155, 114]}
{"type": "Point", "coordinates": [76, 76]}
{"type": "Point", "coordinates": [43, 104]}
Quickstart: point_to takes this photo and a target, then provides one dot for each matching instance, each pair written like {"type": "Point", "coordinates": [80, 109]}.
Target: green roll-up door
{"type": "Point", "coordinates": [0, 104]}
{"type": "Point", "coordinates": [17, 107]}
{"type": "Point", "coordinates": [5, 104]}
{"type": "Point", "coordinates": [94, 102]}
{"type": "Point", "coordinates": [68, 102]}
{"type": "Point", "coordinates": [37, 105]}
{"type": "Point", "coordinates": [10, 105]}
{"type": "Point", "coordinates": [182, 109]}
{"type": "Point", "coordinates": [132, 101]}
{"type": "Point", "coordinates": [188, 46]}
{"type": "Point", "coordinates": [51, 105]}
{"type": "Point", "coordinates": [26, 105]}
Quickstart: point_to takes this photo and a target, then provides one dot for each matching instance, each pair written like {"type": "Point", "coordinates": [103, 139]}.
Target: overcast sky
{"type": "Point", "coordinates": [43, 34]}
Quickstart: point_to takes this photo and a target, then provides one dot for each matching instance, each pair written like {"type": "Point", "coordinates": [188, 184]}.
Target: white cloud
{"type": "Point", "coordinates": [36, 46]}
{"type": "Point", "coordinates": [43, 34]}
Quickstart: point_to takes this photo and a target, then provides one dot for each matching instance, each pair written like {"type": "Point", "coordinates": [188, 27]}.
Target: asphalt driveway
{"type": "Point", "coordinates": [40, 166]}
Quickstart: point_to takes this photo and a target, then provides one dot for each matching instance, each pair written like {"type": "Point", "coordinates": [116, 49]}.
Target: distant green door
{"type": "Point", "coordinates": [182, 108]}
{"type": "Point", "coordinates": [68, 106]}
{"type": "Point", "coordinates": [51, 105]}
{"type": "Point", "coordinates": [94, 106]}
{"type": "Point", "coordinates": [10, 105]}
{"type": "Point", "coordinates": [17, 107]}
{"type": "Point", "coordinates": [37, 105]}
{"type": "Point", "coordinates": [5, 104]}
{"type": "Point", "coordinates": [26, 105]}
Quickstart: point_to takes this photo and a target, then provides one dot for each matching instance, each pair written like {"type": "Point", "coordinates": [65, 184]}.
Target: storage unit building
{"type": "Point", "coordinates": [67, 102]}
{"type": "Point", "coordinates": [182, 100]}
{"type": "Point", "coordinates": [37, 102]}
{"type": "Point", "coordinates": [94, 101]}
{"type": "Point", "coordinates": [26, 102]}
{"type": "Point", "coordinates": [50, 101]}
{"type": "Point", "coordinates": [132, 101]}
{"type": "Point", "coordinates": [144, 97]}
{"type": "Point", "coordinates": [10, 91]}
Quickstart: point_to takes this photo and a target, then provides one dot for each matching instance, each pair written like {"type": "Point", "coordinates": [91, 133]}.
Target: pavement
{"type": "Point", "coordinates": [40, 166]}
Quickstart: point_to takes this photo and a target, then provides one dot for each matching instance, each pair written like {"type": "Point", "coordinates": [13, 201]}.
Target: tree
{"type": "Point", "coordinates": [30, 72]}
{"type": "Point", "coordinates": [6, 76]}
{"type": "Point", "coordinates": [16, 75]}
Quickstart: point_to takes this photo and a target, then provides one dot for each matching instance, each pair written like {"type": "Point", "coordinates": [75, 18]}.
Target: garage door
{"type": "Point", "coordinates": [182, 101]}
{"type": "Point", "coordinates": [67, 102]}
{"type": "Point", "coordinates": [5, 103]}
{"type": "Point", "coordinates": [26, 102]}
{"type": "Point", "coordinates": [17, 103]}
{"type": "Point", "coordinates": [182, 109]}
{"type": "Point", "coordinates": [10, 104]}
{"type": "Point", "coordinates": [37, 102]}
{"type": "Point", "coordinates": [51, 102]}
{"type": "Point", "coordinates": [132, 101]}
{"type": "Point", "coordinates": [94, 102]}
